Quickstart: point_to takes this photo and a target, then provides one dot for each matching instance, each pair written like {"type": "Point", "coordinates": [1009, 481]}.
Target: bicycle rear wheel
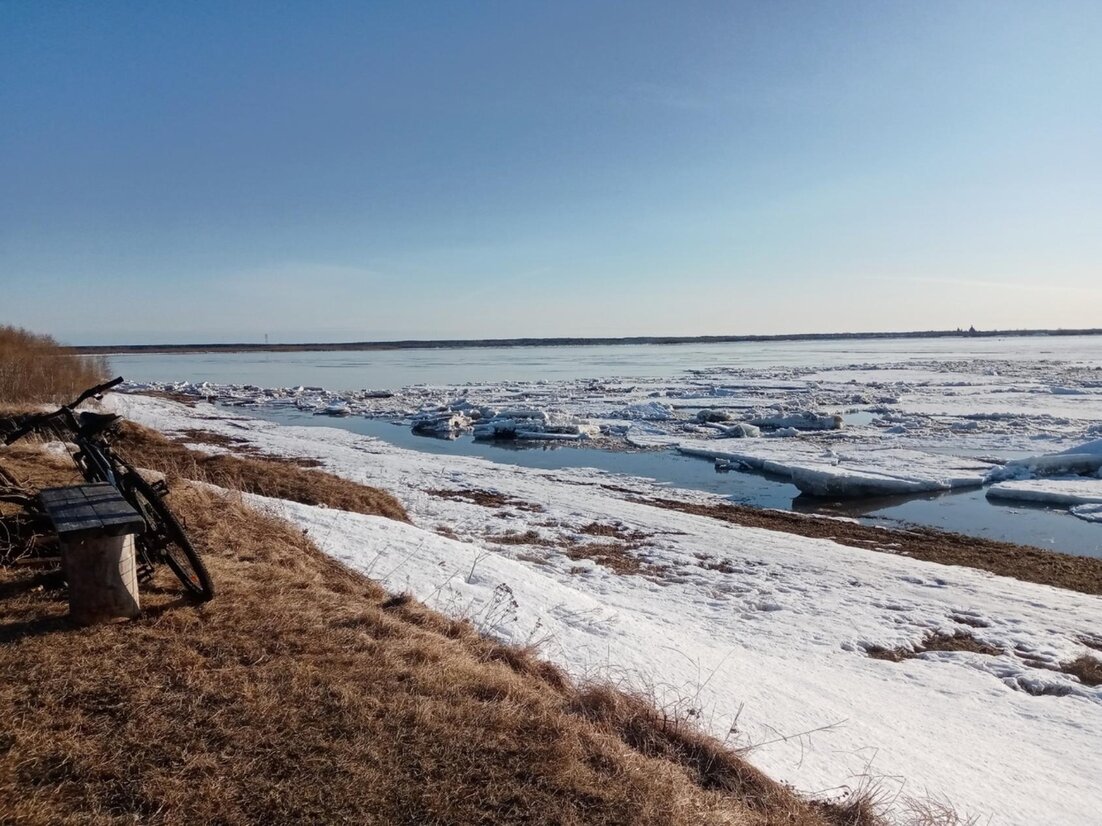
{"type": "Point", "coordinates": [164, 539]}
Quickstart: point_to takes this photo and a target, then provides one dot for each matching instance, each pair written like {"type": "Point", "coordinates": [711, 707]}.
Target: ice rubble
{"type": "Point", "coordinates": [922, 408]}
{"type": "Point", "coordinates": [488, 424]}
{"type": "Point", "coordinates": [803, 420]}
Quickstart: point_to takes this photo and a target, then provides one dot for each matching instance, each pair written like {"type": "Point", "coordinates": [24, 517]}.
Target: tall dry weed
{"type": "Point", "coordinates": [35, 368]}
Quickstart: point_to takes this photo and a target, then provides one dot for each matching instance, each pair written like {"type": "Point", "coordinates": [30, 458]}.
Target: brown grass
{"type": "Point", "coordinates": [485, 498]}
{"type": "Point", "coordinates": [1086, 668]}
{"type": "Point", "coordinates": [266, 476]}
{"type": "Point", "coordinates": [615, 531]}
{"type": "Point", "coordinates": [35, 368]}
{"type": "Point", "coordinates": [1076, 573]}
{"type": "Point", "coordinates": [957, 641]}
{"type": "Point", "coordinates": [305, 694]}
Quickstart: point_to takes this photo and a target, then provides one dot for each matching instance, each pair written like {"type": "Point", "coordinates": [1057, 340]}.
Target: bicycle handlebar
{"type": "Point", "coordinates": [95, 391]}
{"type": "Point", "coordinates": [38, 418]}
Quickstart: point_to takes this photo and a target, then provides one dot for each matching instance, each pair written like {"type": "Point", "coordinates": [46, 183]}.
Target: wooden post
{"type": "Point", "coordinates": [96, 527]}
{"type": "Point", "coordinates": [103, 579]}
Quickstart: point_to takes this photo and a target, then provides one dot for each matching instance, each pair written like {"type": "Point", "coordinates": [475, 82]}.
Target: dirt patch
{"type": "Point", "coordinates": [210, 437]}
{"type": "Point", "coordinates": [616, 556]}
{"type": "Point", "coordinates": [1076, 573]}
{"type": "Point", "coordinates": [485, 498]}
{"type": "Point", "coordinates": [614, 531]}
{"type": "Point", "coordinates": [1091, 641]}
{"type": "Point", "coordinates": [968, 619]}
{"type": "Point", "coordinates": [958, 641]}
{"type": "Point", "coordinates": [1086, 668]}
{"type": "Point", "coordinates": [529, 537]}
{"type": "Point", "coordinates": [179, 398]}
{"type": "Point", "coordinates": [619, 556]}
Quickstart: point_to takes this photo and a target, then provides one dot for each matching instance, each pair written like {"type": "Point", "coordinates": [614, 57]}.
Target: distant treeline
{"type": "Point", "coordinates": [439, 344]}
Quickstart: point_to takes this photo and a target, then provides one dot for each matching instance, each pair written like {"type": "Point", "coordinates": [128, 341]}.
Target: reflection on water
{"type": "Point", "coordinates": [968, 511]}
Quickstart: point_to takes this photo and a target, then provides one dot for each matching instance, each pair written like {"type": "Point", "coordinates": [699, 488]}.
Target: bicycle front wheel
{"type": "Point", "coordinates": [164, 539]}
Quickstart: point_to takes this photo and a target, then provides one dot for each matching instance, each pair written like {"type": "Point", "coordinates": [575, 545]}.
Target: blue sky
{"type": "Point", "coordinates": [332, 171]}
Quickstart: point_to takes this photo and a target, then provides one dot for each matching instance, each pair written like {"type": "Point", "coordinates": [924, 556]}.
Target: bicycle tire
{"type": "Point", "coordinates": [165, 539]}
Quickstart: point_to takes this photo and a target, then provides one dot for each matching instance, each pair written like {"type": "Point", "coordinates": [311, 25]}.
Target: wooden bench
{"type": "Point", "coordinates": [96, 528]}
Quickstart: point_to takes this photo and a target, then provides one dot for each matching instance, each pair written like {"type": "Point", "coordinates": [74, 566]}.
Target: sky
{"type": "Point", "coordinates": [328, 171]}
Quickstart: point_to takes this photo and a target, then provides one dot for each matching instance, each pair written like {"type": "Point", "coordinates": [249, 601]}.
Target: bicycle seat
{"type": "Point", "coordinates": [93, 423]}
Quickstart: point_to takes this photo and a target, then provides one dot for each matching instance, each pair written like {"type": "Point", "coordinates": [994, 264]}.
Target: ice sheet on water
{"type": "Point", "coordinates": [1060, 491]}
{"type": "Point", "coordinates": [1089, 513]}
{"type": "Point", "coordinates": [843, 471]}
{"type": "Point", "coordinates": [1084, 459]}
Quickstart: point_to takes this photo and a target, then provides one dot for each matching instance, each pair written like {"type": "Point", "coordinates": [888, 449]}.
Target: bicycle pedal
{"type": "Point", "coordinates": [145, 572]}
{"type": "Point", "coordinates": [160, 487]}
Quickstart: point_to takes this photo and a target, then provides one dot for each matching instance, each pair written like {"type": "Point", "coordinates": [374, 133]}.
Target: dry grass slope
{"type": "Point", "coordinates": [266, 476]}
{"type": "Point", "coordinates": [304, 693]}
{"type": "Point", "coordinates": [35, 368]}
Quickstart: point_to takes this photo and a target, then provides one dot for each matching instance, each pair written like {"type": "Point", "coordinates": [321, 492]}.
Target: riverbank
{"type": "Point", "coordinates": [751, 630]}
{"type": "Point", "coordinates": [305, 692]}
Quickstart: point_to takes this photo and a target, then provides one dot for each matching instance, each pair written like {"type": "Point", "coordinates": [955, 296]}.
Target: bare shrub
{"type": "Point", "coordinates": [35, 368]}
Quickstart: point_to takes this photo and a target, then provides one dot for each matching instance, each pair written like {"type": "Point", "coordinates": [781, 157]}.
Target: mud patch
{"type": "Point", "coordinates": [959, 641]}
{"type": "Point", "coordinates": [485, 498]}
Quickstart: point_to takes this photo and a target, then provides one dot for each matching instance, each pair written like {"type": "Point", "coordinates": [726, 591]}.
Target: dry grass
{"type": "Point", "coordinates": [35, 368]}
{"type": "Point", "coordinates": [485, 498]}
{"type": "Point", "coordinates": [1076, 573]}
{"type": "Point", "coordinates": [958, 641]}
{"type": "Point", "coordinates": [1086, 668]}
{"type": "Point", "coordinates": [305, 694]}
{"type": "Point", "coordinates": [266, 476]}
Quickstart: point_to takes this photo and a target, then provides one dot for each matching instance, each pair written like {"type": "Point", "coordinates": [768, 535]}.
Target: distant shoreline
{"type": "Point", "coordinates": [455, 344]}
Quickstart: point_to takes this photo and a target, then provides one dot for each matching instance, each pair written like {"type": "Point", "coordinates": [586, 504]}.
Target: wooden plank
{"type": "Point", "coordinates": [86, 510]}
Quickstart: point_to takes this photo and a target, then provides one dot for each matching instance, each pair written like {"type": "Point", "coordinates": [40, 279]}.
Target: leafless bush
{"type": "Point", "coordinates": [35, 368]}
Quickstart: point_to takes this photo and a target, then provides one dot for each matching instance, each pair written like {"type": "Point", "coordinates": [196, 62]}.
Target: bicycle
{"type": "Point", "coordinates": [163, 539]}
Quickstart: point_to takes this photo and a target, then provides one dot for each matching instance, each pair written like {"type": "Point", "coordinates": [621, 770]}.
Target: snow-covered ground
{"type": "Point", "coordinates": [761, 634]}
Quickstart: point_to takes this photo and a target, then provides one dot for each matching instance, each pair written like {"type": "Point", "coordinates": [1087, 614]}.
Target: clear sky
{"type": "Point", "coordinates": [218, 171]}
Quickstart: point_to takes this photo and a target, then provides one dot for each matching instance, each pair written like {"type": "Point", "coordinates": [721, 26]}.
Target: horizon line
{"type": "Point", "coordinates": [554, 341]}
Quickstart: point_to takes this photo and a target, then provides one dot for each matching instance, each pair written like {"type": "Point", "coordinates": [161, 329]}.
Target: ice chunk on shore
{"type": "Point", "coordinates": [846, 474]}
{"type": "Point", "coordinates": [804, 420]}
{"type": "Point", "coordinates": [1066, 491]}
{"type": "Point", "coordinates": [1090, 513]}
{"type": "Point", "coordinates": [441, 423]}
{"type": "Point", "coordinates": [1083, 459]}
{"type": "Point", "coordinates": [535, 424]}
{"type": "Point", "coordinates": [742, 431]}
